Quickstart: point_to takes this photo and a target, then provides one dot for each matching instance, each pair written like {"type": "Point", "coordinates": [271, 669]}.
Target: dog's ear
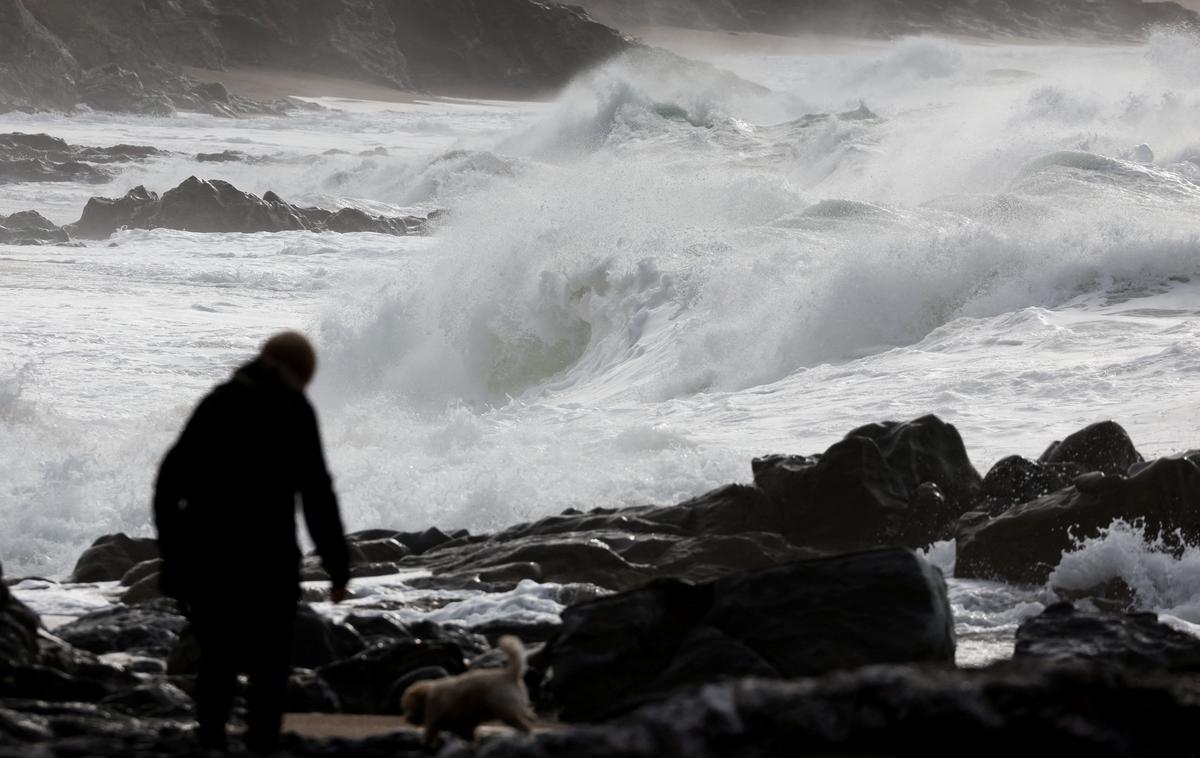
{"type": "Point", "coordinates": [413, 703]}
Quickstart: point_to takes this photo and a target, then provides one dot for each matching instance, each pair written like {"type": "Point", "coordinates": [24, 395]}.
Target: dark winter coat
{"type": "Point", "coordinates": [226, 495]}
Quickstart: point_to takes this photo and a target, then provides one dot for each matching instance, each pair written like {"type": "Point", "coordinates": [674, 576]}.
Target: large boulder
{"type": "Point", "coordinates": [1015, 480]}
{"type": "Point", "coordinates": [1104, 447]}
{"type": "Point", "coordinates": [113, 88]}
{"type": "Point", "coordinates": [1063, 633]}
{"type": "Point", "coordinates": [1025, 543]}
{"type": "Point", "coordinates": [111, 556]}
{"type": "Point", "coordinates": [799, 619]}
{"type": "Point", "coordinates": [886, 483]}
{"type": "Point", "coordinates": [18, 630]}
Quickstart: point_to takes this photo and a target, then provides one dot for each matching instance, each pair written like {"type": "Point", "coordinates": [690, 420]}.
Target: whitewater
{"type": "Point", "coordinates": [639, 286]}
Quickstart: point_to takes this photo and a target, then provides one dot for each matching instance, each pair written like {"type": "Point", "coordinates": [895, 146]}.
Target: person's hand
{"type": "Point", "coordinates": [339, 594]}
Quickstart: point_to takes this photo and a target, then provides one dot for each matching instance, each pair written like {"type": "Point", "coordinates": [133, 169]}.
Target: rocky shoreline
{"type": "Point", "coordinates": [788, 615]}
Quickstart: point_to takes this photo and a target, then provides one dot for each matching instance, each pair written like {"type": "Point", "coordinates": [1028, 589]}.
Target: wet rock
{"type": "Point", "coordinates": [141, 571]}
{"type": "Point", "coordinates": [30, 228]}
{"type": "Point", "coordinates": [152, 700]}
{"type": "Point", "coordinates": [225, 156]}
{"type": "Point", "coordinates": [150, 629]}
{"type": "Point", "coordinates": [866, 490]}
{"type": "Point", "coordinates": [1062, 633]}
{"type": "Point", "coordinates": [87, 678]}
{"type": "Point", "coordinates": [1103, 447]}
{"type": "Point", "coordinates": [18, 630]}
{"type": "Point", "coordinates": [380, 550]}
{"type": "Point", "coordinates": [800, 619]}
{"type": "Point", "coordinates": [102, 216]}
{"type": "Point", "coordinates": [362, 684]}
{"type": "Point", "coordinates": [376, 627]}
{"type": "Point", "coordinates": [211, 206]}
{"type": "Point", "coordinates": [1026, 542]}
{"type": "Point", "coordinates": [111, 556]}
{"type": "Point", "coordinates": [1016, 480]}
{"type": "Point", "coordinates": [41, 170]}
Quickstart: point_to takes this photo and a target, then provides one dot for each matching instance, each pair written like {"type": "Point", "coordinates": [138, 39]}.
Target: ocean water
{"type": "Point", "coordinates": [638, 287]}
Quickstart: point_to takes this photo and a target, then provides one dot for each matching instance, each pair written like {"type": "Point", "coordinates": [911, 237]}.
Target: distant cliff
{"type": "Point", "coordinates": [57, 53]}
{"type": "Point", "coordinates": [1105, 19]}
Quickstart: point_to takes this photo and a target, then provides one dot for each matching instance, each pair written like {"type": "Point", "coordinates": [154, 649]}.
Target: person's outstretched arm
{"type": "Point", "coordinates": [320, 504]}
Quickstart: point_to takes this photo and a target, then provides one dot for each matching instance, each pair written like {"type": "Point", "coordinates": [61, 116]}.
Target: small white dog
{"type": "Point", "coordinates": [458, 704]}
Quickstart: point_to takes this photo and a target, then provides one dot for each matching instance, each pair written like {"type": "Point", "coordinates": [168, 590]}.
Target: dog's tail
{"type": "Point", "coordinates": [515, 652]}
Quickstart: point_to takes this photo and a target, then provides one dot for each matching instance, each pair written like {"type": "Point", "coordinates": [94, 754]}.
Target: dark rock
{"type": "Point", "coordinates": [102, 216]}
{"type": "Point", "coordinates": [146, 589]}
{"type": "Point", "coordinates": [865, 490]}
{"type": "Point", "coordinates": [36, 68]}
{"type": "Point", "coordinates": [113, 88]}
{"type": "Point", "coordinates": [155, 700]}
{"type": "Point", "coordinates": [150, 629]}
{"type": "Point", "coordinates": [378, 626]}
{"type": "Point", "coordinates": [800, 619]}
{"type": "Point", "coordinates": [85, 671]}
{"type": "Point", "coordinates": [317, 641]}
{"type": "Point", "coordinates": [308, 693]}
{"type": "Point", "coordinates": [1062, 633]}
{"type": "Point", "coordinates": [1104, 447]}
{"type": "Point", "coordinates": [44, 683]}
{"type": "Point", "coordinates": [381, 550]}
{"type": "Point", "coordinates": [507, 43]}
{"type": "Point", "coordinates": [41, 170]}
{"type": "Point", "coordinates": [526, 631]}
{"type": "Point", "coordinates": [894, 711]}
{"type": "Point", "coordinates": [29, 227]}
{"type": "Point", "coordinates": [18, 630]}
{"type": "Point", "coordinates": [1016, 480]}
{"type": "Point", "coordinates": [111, 556]}
{"type": "Point", "coordinates": [225, 156]}
{"type": "Point", "coordinates": [1027, 541]}
{"type": "Point", "coordinates": [362, 684]}
{"type": "Point", "coordinates": [208, 206]}
{"type": "Point", "coordinates": [141, 571]}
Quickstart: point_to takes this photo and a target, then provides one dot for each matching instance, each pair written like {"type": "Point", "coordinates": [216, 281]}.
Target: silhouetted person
{"type": "Point", "coordinates": [225, 504]}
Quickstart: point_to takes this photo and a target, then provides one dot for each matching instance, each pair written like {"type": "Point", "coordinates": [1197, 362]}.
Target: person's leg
{"type": "Point", "coordinates": [269, 670]}
{"type": "Point", "coordinates": [215, 683]}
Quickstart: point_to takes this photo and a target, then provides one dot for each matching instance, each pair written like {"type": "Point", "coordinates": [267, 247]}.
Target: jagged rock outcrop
{"type": "Point", "coordinates": [217, 206]}
{"type": "Point", "coordinates": [797, 619]}
{"type": "Point", "coordinates": [42, 158]}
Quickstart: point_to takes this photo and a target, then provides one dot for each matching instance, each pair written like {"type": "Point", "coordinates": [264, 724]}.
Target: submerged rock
{"type": "Point", "coordinates": [799, 619]}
